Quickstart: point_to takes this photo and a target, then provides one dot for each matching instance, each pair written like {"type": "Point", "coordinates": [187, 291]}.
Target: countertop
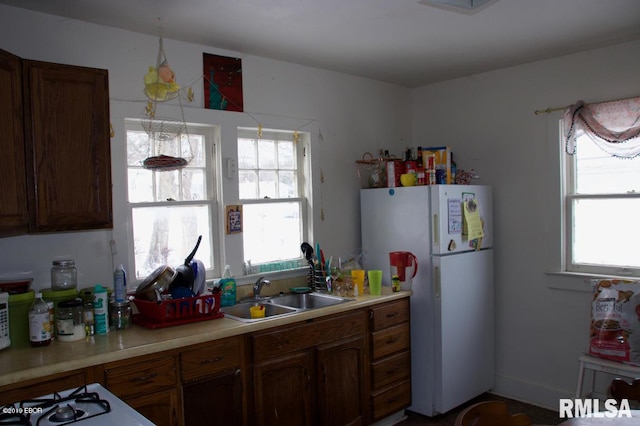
{"type": "Point", "coordinates": [20, 364]}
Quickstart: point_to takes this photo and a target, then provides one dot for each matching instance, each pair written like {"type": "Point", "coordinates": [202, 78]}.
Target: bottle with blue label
{"type": "Point", "coordinates": [120, 283]}
{"type": "Point", "coordinates": [228, 287]}
{"type": "Point", "coordinates": [100, 309]}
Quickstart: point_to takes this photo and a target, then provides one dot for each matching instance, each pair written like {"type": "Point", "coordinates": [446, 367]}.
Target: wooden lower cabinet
{"type": "Point", "coordinates": [283, 393]}
{"type": "Point", "coordinates": [342, 374]}
{"type": "Point", "coordinates": [312, 373]}
{"type": "Point", "coordinates": [44, 386]}
{"type": "Point", "coordinates": [213, 383]}
{"type": "Point", "coordinates": [148, 384]}
{"type": "Point", "coordinates": [390, 358]}
{"type": "Point", "coordinates": [161, 407]}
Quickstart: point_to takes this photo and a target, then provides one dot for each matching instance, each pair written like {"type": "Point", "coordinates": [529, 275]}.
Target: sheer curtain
{"type": "Point", "coordinates": [614, 126]}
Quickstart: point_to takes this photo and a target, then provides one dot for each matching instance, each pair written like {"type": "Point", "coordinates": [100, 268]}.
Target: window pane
{"type": "Point", "coordinates": [166, 235]}
{"type": "Point", "coordinates": [271, 232]}
{"type": "Point", "coordinates": [167, 185]}
{"type": "Point", "coordinates": [287, 185]}
{"type": "Point", "coordinates": [248, 184]}
{"type": "Point", "coordinates": [193, 149]}
{"type": "Point", "coordinates": [267, 154]}
{"type": "Point", "coordinates": [140, 185]}
{"type": "Point", "coordinates": [268, 184]}
{"type": "Point", "coordinates": [604, 232]}
{"type": "Point", "coordinates": [137, 147]}
{"type": "Point", "coordinates": [600, 173]}
{"type": "Point", "coordinates": [193, 184]}
{"type": "Point", "coordinates": [247, 154]}
{"type": "Point", "coordinates": [286, 156]}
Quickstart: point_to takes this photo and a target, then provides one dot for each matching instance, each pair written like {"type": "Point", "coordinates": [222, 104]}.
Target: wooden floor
{"type": "Point", "coordinates": [539, 416]}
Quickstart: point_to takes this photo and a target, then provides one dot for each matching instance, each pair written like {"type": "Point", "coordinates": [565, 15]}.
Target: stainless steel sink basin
{"type": "Point", "coordinates": [307, 300]}
{"type": "Point", "coordinates": [240, 311]}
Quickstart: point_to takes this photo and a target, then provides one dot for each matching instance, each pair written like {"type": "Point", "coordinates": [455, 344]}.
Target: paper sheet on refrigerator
{"type": "Point", "coordinates": [472, 222]}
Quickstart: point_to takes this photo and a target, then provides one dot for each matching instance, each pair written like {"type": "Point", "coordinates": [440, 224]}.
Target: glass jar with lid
{"type": "Point", "coordinates": [64, 275]}
{"type": "Point", "coordinates": [70, 321]}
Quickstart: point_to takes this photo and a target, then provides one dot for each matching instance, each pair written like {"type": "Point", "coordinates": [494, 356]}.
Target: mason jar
{"type": "Point", "coordinates": [64, 275]}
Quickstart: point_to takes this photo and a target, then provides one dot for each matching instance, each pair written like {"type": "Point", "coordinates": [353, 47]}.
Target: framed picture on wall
{"type": "Point", "coordinates": [234, 219]}
{"type": "Point", "coordinates": [222, 82]}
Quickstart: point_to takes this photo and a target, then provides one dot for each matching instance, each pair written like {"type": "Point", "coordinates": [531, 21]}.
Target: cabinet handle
{"type": "Point", "coordinates": [211, 360]}
{"type": "Point", "coordinates": [144, 378]}
{"type": "Point", "coordinates": [392, 340]}
{"type": "Point", "coordinates": [392, 315]}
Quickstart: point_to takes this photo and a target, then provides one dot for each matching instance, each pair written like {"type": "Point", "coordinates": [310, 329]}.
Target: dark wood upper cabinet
{"type": "Point", "coordinates": [14, 218]}
{"type": "Point", "coordinates": [56, 162]}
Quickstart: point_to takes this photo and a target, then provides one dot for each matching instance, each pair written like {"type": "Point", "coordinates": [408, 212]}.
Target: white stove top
{"type": "Point", "coordinates": [90, 405]}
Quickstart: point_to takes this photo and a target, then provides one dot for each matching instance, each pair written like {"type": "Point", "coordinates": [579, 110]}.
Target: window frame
{"type": "Point", "coordinates": [569, 195]}
{"type": "Point", "coordinates": [303, 177]}
{"type": "Point", "coordinates": [211, 134]}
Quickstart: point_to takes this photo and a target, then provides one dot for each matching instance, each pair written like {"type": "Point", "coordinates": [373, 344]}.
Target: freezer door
{"type": "Point", "coordinates": [464, 316]}
{"type": "Point", "coordinates": [447, 217]}
{"type": "Point", "coordinates": [394, 219]}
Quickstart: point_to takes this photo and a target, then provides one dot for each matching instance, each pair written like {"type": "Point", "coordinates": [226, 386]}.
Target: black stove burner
{"type": "Point", "coordinates": [66, 414]}
{"type": "Point", "coordinates": [56, 409]}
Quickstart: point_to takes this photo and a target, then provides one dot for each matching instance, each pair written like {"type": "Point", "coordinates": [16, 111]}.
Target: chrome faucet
{"type": "Point", "coordinates": [258, 286]}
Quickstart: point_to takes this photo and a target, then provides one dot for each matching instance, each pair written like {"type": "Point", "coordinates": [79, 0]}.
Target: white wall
{"type": "Point", "coordinates": [347, 115]}
{"type": "Point", "coordinates": [489, 121]}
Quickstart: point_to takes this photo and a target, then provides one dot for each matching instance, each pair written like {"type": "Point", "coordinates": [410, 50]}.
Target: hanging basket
{"type": "Point", "coordinates": [161, 129]}
{"type": "Point", "coordinates": [160, 81]}
{"type": "Point", "coordinates": [164, 163]}
{"type": "Point", "coordinates": [372, 172]}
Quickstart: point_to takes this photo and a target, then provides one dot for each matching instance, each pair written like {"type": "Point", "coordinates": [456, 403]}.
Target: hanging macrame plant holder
{"type": "Point", "coordinates": [160, 86]}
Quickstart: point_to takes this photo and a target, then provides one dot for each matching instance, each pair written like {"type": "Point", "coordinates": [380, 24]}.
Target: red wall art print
{"type": "Point", "coordinates": [222, 82]}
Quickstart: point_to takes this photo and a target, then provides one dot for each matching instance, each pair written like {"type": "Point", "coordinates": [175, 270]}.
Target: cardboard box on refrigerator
{"type": "Point", "coordinates": [443, 159]}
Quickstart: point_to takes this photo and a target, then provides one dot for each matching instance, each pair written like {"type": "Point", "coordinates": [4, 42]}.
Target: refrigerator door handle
{"type": "Point", "coordinates": [436, 230]}
{"type": "Point", "coordinates": [436, 281]}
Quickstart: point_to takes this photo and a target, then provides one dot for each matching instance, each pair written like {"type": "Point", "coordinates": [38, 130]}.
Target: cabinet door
{"type": "Point", "coordinates": [68, 147]}
{"type": "Point", "coordinates": [216, 401]}
{"type": "Point", "coordinates": [284, 390]}
{"type": "Point", "coordinates": [14, 219]}
{"type": "Point", "coordinates": [342, 391]}
{"type": "Point", "coordinates": [160, 407]}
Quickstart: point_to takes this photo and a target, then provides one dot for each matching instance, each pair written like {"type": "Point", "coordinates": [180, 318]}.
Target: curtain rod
{"type": "Point", "coordinates": [553, 109]}
{"type": "Point", "coordinates": [550, 110]}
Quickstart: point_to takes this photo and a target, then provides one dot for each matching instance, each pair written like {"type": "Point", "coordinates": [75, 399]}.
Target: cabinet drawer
{"type": "Point", "coordinates": [390, 340]}
{"type": "Point", "coordinates": [392, 369]}
{"type": "Point", "coordinates": [391, 400]}
{"type": "Point", "coordinates": [141, 377]}
{"type": "Point", "coordinates": [292, 338]}
{"type": "Point", "coordinates": [205, 361]}
{"type": "Point", "coordinates": [390, 314]}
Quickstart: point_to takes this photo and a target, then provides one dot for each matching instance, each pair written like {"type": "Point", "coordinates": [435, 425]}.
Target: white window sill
{"type": "Point", "coordinates": [583, 283]}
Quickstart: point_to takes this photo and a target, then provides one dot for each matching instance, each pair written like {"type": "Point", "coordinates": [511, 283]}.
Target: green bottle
{"type": "Point", "coordinates": [228, 287]}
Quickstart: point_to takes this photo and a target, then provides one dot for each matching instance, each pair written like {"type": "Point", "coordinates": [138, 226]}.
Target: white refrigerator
{"type": "Point", "coordinates": [452, 306]}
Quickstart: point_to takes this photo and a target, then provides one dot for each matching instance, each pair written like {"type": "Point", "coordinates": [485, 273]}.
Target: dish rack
{"type": "Point", "coordinates": [177, 311]}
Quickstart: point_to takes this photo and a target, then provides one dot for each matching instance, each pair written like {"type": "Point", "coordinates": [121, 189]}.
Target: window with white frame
{"type": "Point", "coordinates": [170, 209]}
{"type": "Point", "coordinates": [601, 207]}
{"type": "Point", "coordinates": [271, 186]}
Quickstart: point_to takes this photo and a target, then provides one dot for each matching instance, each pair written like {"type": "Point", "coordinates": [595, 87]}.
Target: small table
{"type": "Point", "coordinates": [588, 362]}
{"type": "Point", "coordinates": [604, 421]}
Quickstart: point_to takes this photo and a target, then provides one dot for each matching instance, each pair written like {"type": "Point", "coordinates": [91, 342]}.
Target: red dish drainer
{"type": "Point", "coordinates": [177, 311]}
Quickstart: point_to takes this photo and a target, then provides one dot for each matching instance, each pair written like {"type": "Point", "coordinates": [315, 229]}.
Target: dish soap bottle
{"type": "Point", "coordinates": [120, 283]}
{"type": "Point", "coordinates": [228, 286]}
{"type": "Point", "coordinates": [39, 323]}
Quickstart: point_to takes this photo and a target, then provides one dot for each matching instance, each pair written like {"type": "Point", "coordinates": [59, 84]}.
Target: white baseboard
{"type": "Point", "coordinates": [530, 393]}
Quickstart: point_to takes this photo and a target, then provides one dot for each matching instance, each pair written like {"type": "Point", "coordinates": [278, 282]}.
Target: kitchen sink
{"type": "Point", "coordinates": [240, 311]}
{"type": "Point", "coordinates": [307, 300]}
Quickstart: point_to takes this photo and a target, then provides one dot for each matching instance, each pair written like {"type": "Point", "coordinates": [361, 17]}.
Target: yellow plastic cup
{"type": "Point", "coordinates": [257, 311]}
{"type": "Point", "coordinates": [358, 279]}
{"type": "Point", "coordinates": [375, 282]}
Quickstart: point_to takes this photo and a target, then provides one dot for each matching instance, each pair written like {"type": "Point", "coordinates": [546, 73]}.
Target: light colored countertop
{"type": "Point", "coordinates": [20, 364]}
